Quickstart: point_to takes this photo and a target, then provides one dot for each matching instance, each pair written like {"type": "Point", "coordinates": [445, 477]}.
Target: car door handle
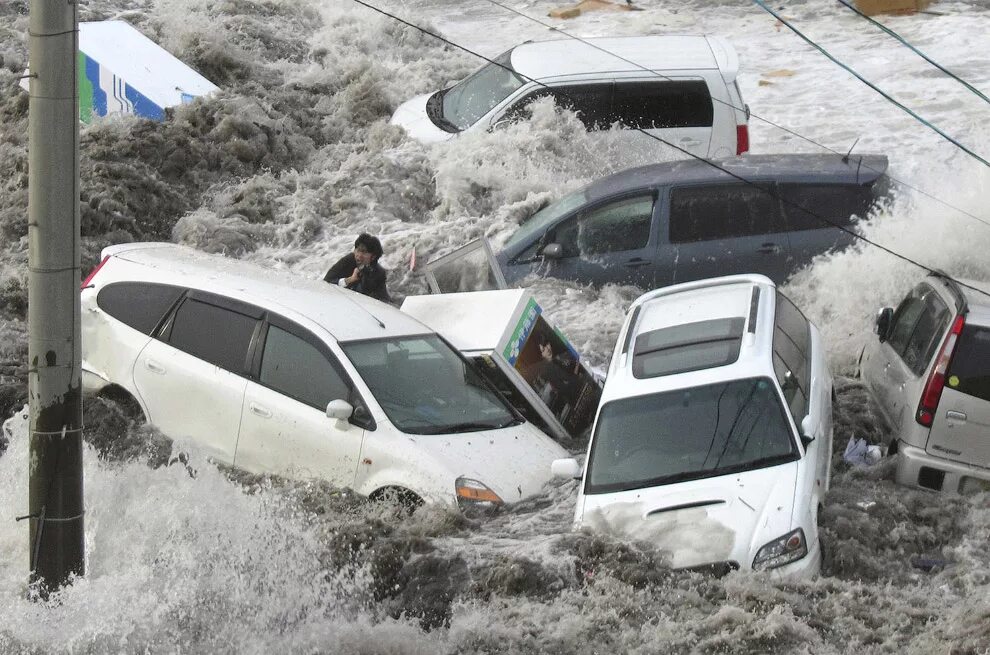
{"type": "Point", "coordinates": [953, 415]}
{"type": "Point", "coordinates": [637, 262]}
{"type": "Point", "coordinates": [769, 249]}
{"type": "Point", "coordinates": [154, 366]}
{"type": "Point", "coordinates": [259, 410]}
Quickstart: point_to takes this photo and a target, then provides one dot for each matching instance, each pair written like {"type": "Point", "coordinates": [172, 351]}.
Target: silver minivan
{"type": "Point", "coordinates": [929, 371]}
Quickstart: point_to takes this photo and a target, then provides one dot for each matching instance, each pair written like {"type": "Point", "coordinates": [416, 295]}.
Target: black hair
{"type": "Point", "coordinates": [370, 243]}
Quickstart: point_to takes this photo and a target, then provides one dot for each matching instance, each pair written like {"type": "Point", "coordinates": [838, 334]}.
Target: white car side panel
{"type": "Point", "coordinates": [187, 397]}
{"type": "Point", "coordinates": [282, 435]}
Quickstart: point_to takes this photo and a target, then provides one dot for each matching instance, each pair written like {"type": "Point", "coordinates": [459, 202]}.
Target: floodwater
{"type": "Point", "coordinates": [294, 157]}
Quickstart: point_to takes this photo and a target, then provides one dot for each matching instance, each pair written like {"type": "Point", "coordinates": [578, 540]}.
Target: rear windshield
{"type": "Point", "coordinates": [689, 434]}
{"type": "Point", "coordinates": [425, 387]}
{"type": "Point", "coordinates": [969, 371]}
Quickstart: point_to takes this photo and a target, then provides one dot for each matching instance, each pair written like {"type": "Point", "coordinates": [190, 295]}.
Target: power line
{"type": "Point", "coordinates": [773, 194]}
{"type": "Point", "coordinates": [729, 104]}
{"type": "Point", "coordinates": [931, 61]}
{"type": "Point", "coordinates": [873, 86]}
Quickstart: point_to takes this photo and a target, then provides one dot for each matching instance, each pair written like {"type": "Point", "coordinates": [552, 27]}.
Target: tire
{"type": "Point", "coordinates": [400, 496]}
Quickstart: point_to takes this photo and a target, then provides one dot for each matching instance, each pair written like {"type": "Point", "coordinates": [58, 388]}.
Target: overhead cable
{"type": "Point", "coordinates": [873, 86]}
{"type": "Point", "coordinates": [918, 52]}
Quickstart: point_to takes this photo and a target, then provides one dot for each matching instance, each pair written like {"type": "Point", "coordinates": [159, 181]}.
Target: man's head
{"type": "Point", "coordinates": [367, 249]}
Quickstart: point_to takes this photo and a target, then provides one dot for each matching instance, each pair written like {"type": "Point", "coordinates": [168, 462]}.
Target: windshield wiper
{"type": "Point", "coordinates": [467, 426]}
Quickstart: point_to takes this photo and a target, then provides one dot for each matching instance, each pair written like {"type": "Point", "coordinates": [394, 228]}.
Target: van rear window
{"type": "Point", "coordinates": [969, 372]}
{"type": "Point", "coordinates": [141, 305]}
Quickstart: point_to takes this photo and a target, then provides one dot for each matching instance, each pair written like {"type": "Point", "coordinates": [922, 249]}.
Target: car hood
{"type": "Point", "coordinates": [411, 116]}
{"type": "Point", "coordinates": [514, 462]}
{"type": "Point", "coordinates": [728, 518]}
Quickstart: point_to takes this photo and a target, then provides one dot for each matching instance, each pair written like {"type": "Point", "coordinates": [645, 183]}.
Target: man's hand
{"type": "Point", "coordinates": [355, 276]}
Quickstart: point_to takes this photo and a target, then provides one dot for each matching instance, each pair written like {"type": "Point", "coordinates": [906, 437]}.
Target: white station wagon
{"type": "Point", "coordinates": [273, 373]}
{"type": "Point", "coordinates": [714, 435]}
{"type": "Point", "coordinates": [680, 88]}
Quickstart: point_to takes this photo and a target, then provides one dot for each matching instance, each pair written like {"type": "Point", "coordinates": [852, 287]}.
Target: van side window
{"type": "Point", "coordinates": [615, 227]}
{"type": "Point", "coordinates": [792, 355]}
{"type": "Point", "coordinates": [298, 369]}
{"type": "Point", "coordinates": [662, 104]}
{"type": "Point", "coordinates": [836, 203]}
{"type": "Point", "coordinates": [920, 347]}
{"type": "Point", "coordinates": [219, 336]}
{"type": "Point", "coordinates": [723, 211]}
{"type": "Point", "coordinates": [591, 102]}
{"type": "Point", "coordinates": [141, 305]}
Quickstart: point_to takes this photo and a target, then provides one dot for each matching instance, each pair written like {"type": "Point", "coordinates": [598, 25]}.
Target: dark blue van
{"type": "Point", "coordinates": [680, 221]}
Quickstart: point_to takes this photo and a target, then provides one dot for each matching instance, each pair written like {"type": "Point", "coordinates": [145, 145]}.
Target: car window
{"type": "Point", "coordinates": [141, 305]}
{"type": "Point", "coordinates": [920, 347]}
{"type": "Point", "coordinates": [469, 100]}
{"type": "Point", "coordinates": [425, 387]}
{"type": "Point", "coordinates": [662, 104]}
{"type": "Point", "coordinates": [905, 318]}
{"type": "Point", "coordinates": [215, 334]}
{"type": "Point", "coordinates": [792, 355]}
{"type": "Point", "coordinates": [541, 221]}
{"type": "Point", "coordinates": [615, 227]}
{"type": "Point", "coordinates": [298, 369]}
{"type": "Point", "coordinates": [806, 205]}
{"type": "Point", "coordinates": [724, 211]}
{"type": "Point", "coordinates": [591, 102]}
{"type": "Point", "coordinates": [969, 371]}
{"type": "Point", "coordinates": [688, 434]}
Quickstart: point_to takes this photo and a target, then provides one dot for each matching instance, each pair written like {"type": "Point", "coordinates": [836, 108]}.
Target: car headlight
{"type": "Point", "coordinates": [786, 549]}
{"type": "Point", "coordinates": [473, 495]}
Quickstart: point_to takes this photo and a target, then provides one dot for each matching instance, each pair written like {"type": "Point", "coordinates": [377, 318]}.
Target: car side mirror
{"type": "Point", "coordinates": [566, 468]}
{"type": "Point", "coordinates": [501, 123]}
{"type": "Point", "coordinates": [362, 418]}
{"type": "Point", "coordinates": [807, 431]}
{"type": "Point", "coordinates": [884, 317]}
{"type": "Point", "coordinates": [339, 409]}
{"type": "Point", "coordinates": [552, 251]}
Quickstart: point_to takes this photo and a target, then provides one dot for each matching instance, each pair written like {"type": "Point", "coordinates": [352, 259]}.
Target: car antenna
{"type": "Point", "coordinates": [365, 310]}
{"type": "Point", "coordinates": [845, 160]}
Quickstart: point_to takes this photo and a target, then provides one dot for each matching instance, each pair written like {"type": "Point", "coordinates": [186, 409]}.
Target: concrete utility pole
{"type": "Point", "coordinates": [54, 356]}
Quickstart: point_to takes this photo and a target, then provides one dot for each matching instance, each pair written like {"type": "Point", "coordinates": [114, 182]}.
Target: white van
{"type": "Point", "coordinates": [714, 435]}
{"type": "Point", "coordinates": [273, 373]}
{"type": "Point", "coordinates": [680, 88]}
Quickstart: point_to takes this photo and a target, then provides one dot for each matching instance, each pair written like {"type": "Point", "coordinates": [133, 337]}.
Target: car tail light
{"type": "Point", "coordinates": [742, 139]}
{"type": "Point", "coordinates": [92, 274]}
{"type": "Point", "coordinates": [936, 380]}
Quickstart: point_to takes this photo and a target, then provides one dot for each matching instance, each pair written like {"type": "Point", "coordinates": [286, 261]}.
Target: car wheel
{"type": "Point", "coordinates": [399, 496]}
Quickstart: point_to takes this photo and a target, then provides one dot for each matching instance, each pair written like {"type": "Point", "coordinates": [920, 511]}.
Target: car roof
{"type": "Point", "coordinates": [346, 315]}
{"type": "Point", "coordinates": [859, 169]}
{"type": "Point", "coordinates": [548, 59]}
{"type": "Point", "coordinates": [697, 305]}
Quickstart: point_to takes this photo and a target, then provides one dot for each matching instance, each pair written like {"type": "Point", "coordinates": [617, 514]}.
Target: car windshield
{"type": "Point", "coordinates": [688, 434]}
{"type": "Point", "coordinates": [470, 99]}
{"type": "Point", "coordinates": [539, 222]}
{"type": "Point", "coordinates": [425, 387]}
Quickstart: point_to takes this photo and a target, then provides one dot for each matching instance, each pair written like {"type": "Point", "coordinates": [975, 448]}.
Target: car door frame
{"type": "Point", "coordinates": [546, 266]}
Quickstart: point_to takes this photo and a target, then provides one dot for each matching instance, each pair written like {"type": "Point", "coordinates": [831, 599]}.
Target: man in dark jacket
{"type": "Point", "coordinates": [360, 271]}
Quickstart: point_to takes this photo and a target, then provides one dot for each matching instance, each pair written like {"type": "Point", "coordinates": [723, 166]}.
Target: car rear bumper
{"type": "Point", "coordinates": [916, 468]}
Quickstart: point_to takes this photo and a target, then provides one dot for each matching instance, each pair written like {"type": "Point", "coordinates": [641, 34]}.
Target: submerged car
{"type": "Point", "coordinates": [713, 438]}
{"type": "Point", "coordinates": [273, 373]}
{"type": "Point", "coordinates": [673, 222]}
{"type": "Point", "coordinates": [680, 88]}
{"type": "Point", "coordinates": [929, 372]}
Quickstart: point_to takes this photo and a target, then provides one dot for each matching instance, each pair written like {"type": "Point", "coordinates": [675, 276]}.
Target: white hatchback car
{"type": "Point", "coordinates": [681, 88]}
{"type": "Point", "coordinates": [274, 373]}
{"type": "Point", "coordinates": [714, 435]}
